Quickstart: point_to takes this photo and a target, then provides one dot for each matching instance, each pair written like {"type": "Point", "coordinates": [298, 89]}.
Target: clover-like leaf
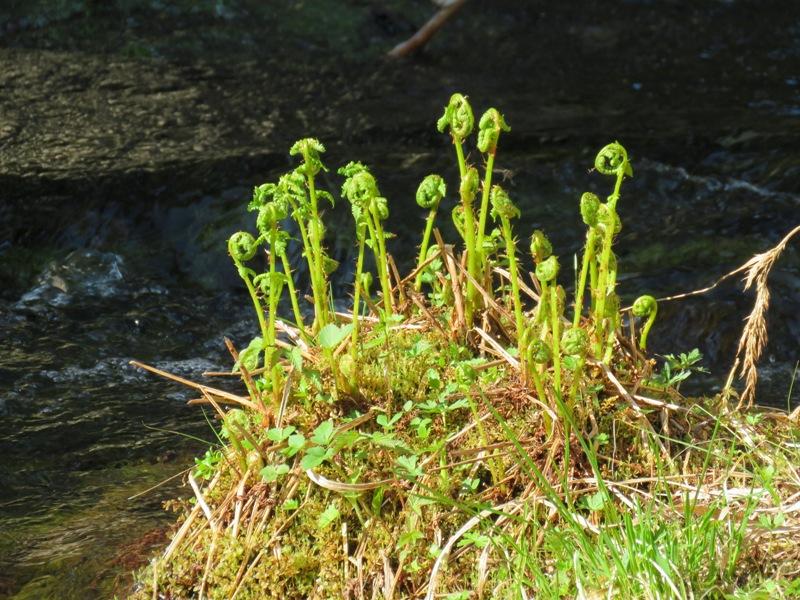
{"type": "Point", "coordinates": [271, 473]}
{"type": "Point", "coordinates": [323, 434]}
{"type": "Point", "coordinates": [315, 456]}
{"type": "Point", "coordinates": [331, 335]}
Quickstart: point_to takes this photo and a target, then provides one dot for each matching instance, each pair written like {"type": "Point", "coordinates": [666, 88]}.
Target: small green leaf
{"type": "Point", "coordinates": [331, 335]}
{"type": "Point", "coordinates": [571, 362]}
{"type": "Point", "coordinates": [328, 516]}
{"type": "Point", "coordinates": [323, 434]}
{"type": "Point", "coordinates": [407, 467]}
{"type": "Point", "coordinates": [271, 473]}
{"type": "Point", "coordinates": [248, 357]}
{"type": "Point", "coordinates": [472, 538]}
{"type": "Point", "coordinates": [295, 356]}
{"type": "Point", "coordinates": [314, 457]}
{"type": "Point", "coordinates": [388, 440]}
{"type": "Point", "coordinates": [277, 434]}
{"type": "Point", "coordinates": [295, 444]}
{"type": "Point", "coordinates": [596, 501]}
{"type": "Point", "coordinates": [409, 538]}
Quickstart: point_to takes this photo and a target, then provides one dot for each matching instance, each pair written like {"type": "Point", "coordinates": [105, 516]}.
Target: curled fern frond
{"type": "Point", "coordinates": [645, 307]}
{"type": "Point", "coordinates": [457, 214]}
{"type": "Point", "coordinates": [561, 300]}
{"type": "Point", "coordinates": [590, 207]}
{"type": "Point", "coordinates": [266, 282]}
{"type": "Point", "coordinates": [379, 206]}
{"type": "Point", "coordinates": [547, 270]}
{"type": "Point", "coordinates": [541, 248]}
{"type": "Point", "coordinates": [574, 341]}
{"type": "Point", "coordinates": [458, 117]}
{"type": "Point", "coordinates": [360, 186]}
{"type": "Point", "coordinates": [261, 195]}
{"type": "Point", "coordinates": [539, 352]}
{"type": "Point", "coordinates": [613, 160]}
{"type": "Point", "coordinates": [242, 246]}
{"type": "Point", "coordinates": [291, 188]}
{"type": "Point", "coordinates": [489, 128]}
{"type": "Point", "coordinates": [431, 191]}
{"type": "Point", "coordinates": [269, 215]}
{"type": "Point", "coordinates": [502, 206]}
{"type": "Point", "coordinates": [606, 216]}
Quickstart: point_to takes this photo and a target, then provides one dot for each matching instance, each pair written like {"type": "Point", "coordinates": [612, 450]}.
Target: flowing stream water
{"type": "Point", "coordinates": [711, 129]}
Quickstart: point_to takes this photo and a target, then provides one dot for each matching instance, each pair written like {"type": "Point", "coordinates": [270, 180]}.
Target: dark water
{"type": "Point", "coordinates": [707, 101]}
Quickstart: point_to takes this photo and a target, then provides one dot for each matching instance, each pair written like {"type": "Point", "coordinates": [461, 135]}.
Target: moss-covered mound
{"type": "Point", "coordinates": [459, 434]}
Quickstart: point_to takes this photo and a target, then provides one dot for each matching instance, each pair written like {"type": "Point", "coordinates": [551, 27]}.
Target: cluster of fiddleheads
{"type": "Point", "coordinates": [552, 352]}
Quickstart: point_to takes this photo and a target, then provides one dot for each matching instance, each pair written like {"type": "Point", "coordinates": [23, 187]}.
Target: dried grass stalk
{"type": "Point", "coordinates": [754, 334]}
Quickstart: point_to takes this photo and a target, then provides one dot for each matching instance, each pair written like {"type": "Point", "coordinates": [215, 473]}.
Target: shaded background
{"type": "Point", "coordinates": [131, 134]}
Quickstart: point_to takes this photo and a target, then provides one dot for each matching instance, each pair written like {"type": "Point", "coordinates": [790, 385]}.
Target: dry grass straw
{"type": "Point", "coordinates": [754, 335]}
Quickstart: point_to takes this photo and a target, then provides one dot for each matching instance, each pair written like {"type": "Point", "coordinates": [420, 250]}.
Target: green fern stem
{"type": "Point", "coordinates": [472, 257]}
{"type": "Point", "coordinates": [318, 272]}
{"type": "Point", "coordinates": [376, 237]}
{"type": "Point", "coordinates": [262, 321]}
{"type": "Point", "coordinates": [588, 259]}
{"type": "Point", "coordinates": [357, 293]}
{"type": "Point", "coordinates": [308, 250]}
{"type": "Point", "coordinates": [603, 283]}
{"type": "Point", "coordinates": [514, 273]}
{"type": "Point", "coordinates": [298, 315]}
{"type": "Point", "coordinates": [462, 163]}
{"type": "Point", "coordinates": [554, 325]}
{"type": "Point", "coordinates": [423, 249]}
{"type": "Point", "coordinates": [484, 212]}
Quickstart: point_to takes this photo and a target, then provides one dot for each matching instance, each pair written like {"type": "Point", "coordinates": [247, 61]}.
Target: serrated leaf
{"type": "Point", "coordinates": [323, 434]}
{"type": "Point", "coordinates": [295, 356]}
{"type": "Point", "coordinates": [295, 444]}
{"type": "Point", "coordinates": [271, 473]}
{"type": "Point", "coordinates": [314, 457]}
{"type": "Point", "coordinates": [388, 440]}
{"type": "Point", "coordinates": [277, 434]}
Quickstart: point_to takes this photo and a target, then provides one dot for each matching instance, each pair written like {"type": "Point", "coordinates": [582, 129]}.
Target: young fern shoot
{"type": "Point", "coordinates": [645, 307]}
{"type": "Point", "coordinates": [310, 149]}
{"type": "Point", "coordinates": [590, 205]}
{"type": "Point", "coordinates": [612, 160]}
{"type": "Point", "coordinates": [489, 128]}
{"type": "Point", "coordinates": [505, 210]}
{"type": "Point", "coordinates": [459, 119]}
{"type": "Point", "coordinates": [429, 195]}
{"type": "Point", "coordinates": [369, 209]}
{"type": "Point", "coordinates": [242, 247]}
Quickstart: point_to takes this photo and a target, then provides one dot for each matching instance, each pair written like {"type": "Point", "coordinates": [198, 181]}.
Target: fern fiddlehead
{"type": "Point", "coordinates": [490, 126]}
{"type": "Point", "coordinates": [429, 194]}
{"type": "Point", "coordinates": [458, 117]}
{"type": "Point", "coordinates": [645, 307]}
{"type": "Point", "coordinates": [590, 205]}
{"type": "Point", "coordinates": [612, 160]}
{"type": "Point", "coordinates": [309, 149]}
